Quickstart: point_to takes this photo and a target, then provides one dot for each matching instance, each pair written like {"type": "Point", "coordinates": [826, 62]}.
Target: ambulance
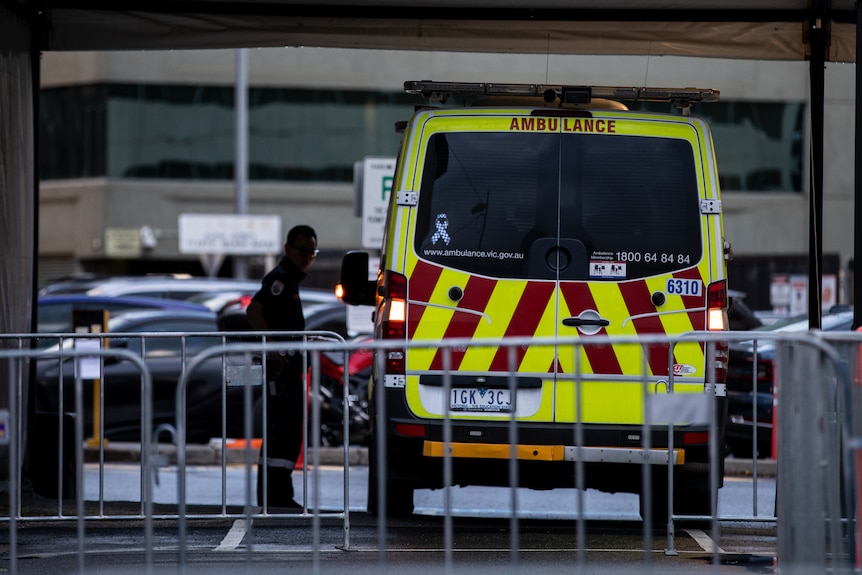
{"type": "Point", "coordinates": [558, 218]}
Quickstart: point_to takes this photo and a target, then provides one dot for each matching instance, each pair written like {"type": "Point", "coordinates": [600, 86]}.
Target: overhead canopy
{"type": "Point", "coordinates": [745, 29]}
{"type": "Point", "coordinates": [819, 31]}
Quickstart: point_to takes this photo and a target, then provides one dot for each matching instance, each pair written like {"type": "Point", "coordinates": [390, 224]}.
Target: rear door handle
{"type": "Point", "coordinates": [582, 321]}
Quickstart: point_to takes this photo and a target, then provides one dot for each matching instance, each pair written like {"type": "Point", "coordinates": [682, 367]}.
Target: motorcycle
{"type": "Point", "coordinates": [332, 397]}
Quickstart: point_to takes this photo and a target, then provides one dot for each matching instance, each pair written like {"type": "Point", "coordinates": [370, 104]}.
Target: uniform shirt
{"type": "Point", "coordinates": [279, 296]}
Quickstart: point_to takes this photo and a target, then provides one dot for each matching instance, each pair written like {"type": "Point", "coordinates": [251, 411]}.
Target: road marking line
{"type": "Point", "coordinates": [234, 537]}
{"type": "Point", "coordinates": [705, 541]}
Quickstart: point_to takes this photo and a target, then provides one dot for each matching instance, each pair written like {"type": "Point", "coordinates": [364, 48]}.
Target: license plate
{"type": "Point", "coordinates": [480, 399]}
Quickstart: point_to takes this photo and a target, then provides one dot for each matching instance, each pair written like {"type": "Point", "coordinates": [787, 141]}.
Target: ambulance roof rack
{"type": "Point", "coordinates": [682, 98]}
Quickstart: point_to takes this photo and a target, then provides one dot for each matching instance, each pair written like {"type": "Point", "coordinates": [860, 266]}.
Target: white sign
{"type": "Point", "coordinates": [229, 234]}
{"type": "Point", "coordinates": [88, 366]}
{"type": "Point", "coordinates": [789, 294]}
{"type": "Point", "coordinates": [376, 176]}
{"type": "Point", "coordinates": [798, 294]}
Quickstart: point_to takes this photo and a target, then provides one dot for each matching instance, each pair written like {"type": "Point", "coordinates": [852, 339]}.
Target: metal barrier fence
{"type": "Point", "coordinates": [820, 422]}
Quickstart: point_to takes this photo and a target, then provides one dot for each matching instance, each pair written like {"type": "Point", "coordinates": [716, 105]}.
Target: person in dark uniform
{"type": "Point", "coordinates": [276, 307]}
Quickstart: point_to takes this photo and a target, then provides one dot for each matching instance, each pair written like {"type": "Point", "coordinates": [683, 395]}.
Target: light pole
{"type": "Point", "coordinates": [240, 267]}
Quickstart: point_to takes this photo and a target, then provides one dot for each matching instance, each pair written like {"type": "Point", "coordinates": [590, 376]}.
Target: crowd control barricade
{"type": "Point", "coordinates": [252, 372]}
{"type": "Point", "coordinates": [155, 457]}
{"type": "Point", "coordinates": [817, 438]}
{"type": "Point", "coordinates": [17, 360]}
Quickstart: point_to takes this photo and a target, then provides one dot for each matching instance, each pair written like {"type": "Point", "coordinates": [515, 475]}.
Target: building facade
{"type": "Point", "coordinates": [131, 140]}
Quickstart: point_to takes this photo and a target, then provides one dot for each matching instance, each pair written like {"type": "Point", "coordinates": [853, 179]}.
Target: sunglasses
{"type": "Point", "coordinates": [306, 252]}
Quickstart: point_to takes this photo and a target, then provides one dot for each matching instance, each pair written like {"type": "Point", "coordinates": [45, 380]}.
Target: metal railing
{"type": "Point", "coordinates": [831, 434]}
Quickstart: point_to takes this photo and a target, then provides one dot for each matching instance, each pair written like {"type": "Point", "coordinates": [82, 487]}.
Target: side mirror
{"type": "Point", "coordinates": [355, 287]}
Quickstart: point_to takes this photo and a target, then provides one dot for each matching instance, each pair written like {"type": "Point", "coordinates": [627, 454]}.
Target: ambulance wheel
{"type": "Point", "coordinates": [399, 497]}
{"type": "Point", "coordinates": [659, 504]}
{"type": "Point", "coordinates": [691, 501]}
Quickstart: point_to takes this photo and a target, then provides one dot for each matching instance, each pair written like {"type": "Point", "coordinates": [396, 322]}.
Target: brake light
{"type": "Point", "coordinates": [394, 306]}
{"type": "Point", "coordinates": [716, 320]}
{"type": "Point", "coordinates": [716, 306]}
{"type": "Point", "coordinates": [394, 319]}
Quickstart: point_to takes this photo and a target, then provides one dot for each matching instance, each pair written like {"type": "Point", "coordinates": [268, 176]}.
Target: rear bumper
{"type": "Point", "coordinates": [555, 453]}
{"type": "Point", "coordinates": [548, 455]}
{"type": "Point", "coordinates": [550, 462]}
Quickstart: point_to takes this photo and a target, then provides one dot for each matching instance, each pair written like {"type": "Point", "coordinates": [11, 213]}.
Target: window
{"type": "Point", "coordinates": [187, 132]}
{"type": "Point", "coordinates": [758, 145]}
{"type": "Point", "coordinates": [489, 204]}
{"type": "Point", "coordinates": [72, 132]}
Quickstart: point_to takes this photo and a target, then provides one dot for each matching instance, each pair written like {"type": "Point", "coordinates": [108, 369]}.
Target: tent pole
{"type": "Point", "coordinates": [857, 194]}
{"type": "Point", "coordinates": [817, 64]}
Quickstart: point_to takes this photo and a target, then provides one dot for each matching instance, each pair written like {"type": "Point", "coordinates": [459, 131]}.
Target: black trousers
{"type": "Point", "coordinates": [283, 441]}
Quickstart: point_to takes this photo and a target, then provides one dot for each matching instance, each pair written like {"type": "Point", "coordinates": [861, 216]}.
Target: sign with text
{"type": "Point", "coordinates": [375, 178]}
{"type": "Point", "coordinates": [229, 234]}
{"type": "Point", "coordinates": [123, 242]}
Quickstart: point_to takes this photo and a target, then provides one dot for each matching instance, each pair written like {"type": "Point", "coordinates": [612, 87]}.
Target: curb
{"type": "Point", "coordinates": [211, 454]}
{"type": "Point", "coordinates": [746, 467]}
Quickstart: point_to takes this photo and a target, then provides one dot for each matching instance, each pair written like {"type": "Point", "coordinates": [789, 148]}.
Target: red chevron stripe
{"type": "Point", "coordinates": [477, 293]}
{"type": "Point", "coordinates": [525, 320]}
{"type": "Point", "coordinates": [578, 298]}
{"type": "Point", "coordinates": [637, 298]}
{"type": "Point", "coordinates": [421, 285]}
{"type": "Point", "coordinates": [697, 318]}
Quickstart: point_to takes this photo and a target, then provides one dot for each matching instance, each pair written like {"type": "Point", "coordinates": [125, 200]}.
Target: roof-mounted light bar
{"type": "Point", "coordinates": [439, 91]}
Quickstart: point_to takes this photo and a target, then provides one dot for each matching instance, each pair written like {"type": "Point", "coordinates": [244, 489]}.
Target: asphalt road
{"type": "Point", "coordinates": [469, 530]}
{"type": "Point", "coordinates": [476, 536]}
{"type": "Point", "coordinates": [205, 486]}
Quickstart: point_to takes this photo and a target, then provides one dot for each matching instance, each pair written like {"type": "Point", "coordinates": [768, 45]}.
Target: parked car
{"type": "Point", "coordinates": [121, 381]}
{"type": "Point", "coordinates": [54, 312]}
{"type": "Point", "coordinates": [741, 397]}
{"type": "Point", "coordinates": [170, 288]}
{"type": "Point", "coordinates": [218, 299]}
{"type": "Point", "coordinates": [81, 283]}
{"type": "Point", "coordinates": [320, 316]}
{"type": "Point", "coordinates": [740, 316]}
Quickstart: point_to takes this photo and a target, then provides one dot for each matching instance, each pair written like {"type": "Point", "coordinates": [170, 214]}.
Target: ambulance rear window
{"type": "Point", "coordinates": [540, 205]}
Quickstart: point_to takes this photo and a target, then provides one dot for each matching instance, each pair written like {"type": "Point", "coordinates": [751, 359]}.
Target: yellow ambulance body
{"type": "Point", "coordinates": [555, 225]}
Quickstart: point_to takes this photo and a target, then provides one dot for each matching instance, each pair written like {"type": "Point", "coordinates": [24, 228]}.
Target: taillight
{"type": "Point", "coordinates": [716, 306]}
{"type": "Point", "coordinates": [394, 319]}
{"type": "Point", "coordinates": [716, 320]}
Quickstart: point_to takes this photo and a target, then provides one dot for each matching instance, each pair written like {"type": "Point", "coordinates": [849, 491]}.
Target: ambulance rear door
{"type": "Point", "coordinates": [633, 258]}
{"type": "Point", "coordinates": [488, 189]}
